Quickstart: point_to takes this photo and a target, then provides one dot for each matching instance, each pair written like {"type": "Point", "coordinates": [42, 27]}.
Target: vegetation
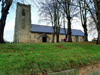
{"type": "Point", "coordinates": [22, 59]}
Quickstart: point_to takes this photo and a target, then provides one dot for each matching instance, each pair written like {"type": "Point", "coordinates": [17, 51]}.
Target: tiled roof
{"type": "Point", "coordinates": [49, 29]}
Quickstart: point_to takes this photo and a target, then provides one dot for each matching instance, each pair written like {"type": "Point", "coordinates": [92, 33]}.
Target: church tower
{"type": "Point", "coordinates": [22, 24]}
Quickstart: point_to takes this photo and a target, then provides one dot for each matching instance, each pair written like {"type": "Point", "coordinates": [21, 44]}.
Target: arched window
{"type": "Point", "coordinates": [23, 12]}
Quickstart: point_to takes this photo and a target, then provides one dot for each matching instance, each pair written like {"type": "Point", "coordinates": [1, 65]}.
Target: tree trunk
{"type": "Point", "coordinates": [85, 33]}
{"type": "Point", "coordinates": [4, 13]}
{"type": "Point", "coordinates": [69, 33]}
{"type": "Point", "coordinates": [1, 32]}
{"type": "Point", "coordinates": [65, 32]}
{"type": "Point", "coordinates": [98, 25]}
{"type": "Point", "coordinates": [97, 9]}
{"type": "Point", "coordinates": [66, 37]}
{"type": "Point", "coordinates": [98, 29]}
{"type": "Point", "coordinates": [57, 33]}
{"type": "Point", "coordinates": [2, 24]}
{"type": "Point", "coordinates": [53, 35]}
{"type": "Point", "coordinates": [98, 41]}
{"type": "Point", "coordinates": [57, 37]}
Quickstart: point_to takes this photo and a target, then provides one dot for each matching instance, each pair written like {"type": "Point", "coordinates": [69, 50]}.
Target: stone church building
{"type": "Point", "coordinates": [25, 32]}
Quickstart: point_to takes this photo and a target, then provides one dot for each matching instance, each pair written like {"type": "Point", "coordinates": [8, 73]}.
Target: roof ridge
{"type": "Point", "coordinates": [41, 25]}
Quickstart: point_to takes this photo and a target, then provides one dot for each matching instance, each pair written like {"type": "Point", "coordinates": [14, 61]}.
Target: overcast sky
{"type": "Point", "coordinates": [10, 22]}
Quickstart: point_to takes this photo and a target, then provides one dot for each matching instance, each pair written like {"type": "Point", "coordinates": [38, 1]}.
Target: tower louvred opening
{"type": "Point", "coordinates": [23, 12]}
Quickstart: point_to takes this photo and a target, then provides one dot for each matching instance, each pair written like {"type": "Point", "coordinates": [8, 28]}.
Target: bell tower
{"type": "Point", "coordinates": [22, 24]}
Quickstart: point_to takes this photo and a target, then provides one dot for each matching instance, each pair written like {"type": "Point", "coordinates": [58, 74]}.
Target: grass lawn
{"type": "Point", "coordinates": [23, 59]}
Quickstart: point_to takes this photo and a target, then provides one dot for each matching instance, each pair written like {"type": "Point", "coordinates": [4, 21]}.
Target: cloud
{"type": "Point", "coordinates": [9, 31]}
{"type": "Point", "coordinates": [8, 35]}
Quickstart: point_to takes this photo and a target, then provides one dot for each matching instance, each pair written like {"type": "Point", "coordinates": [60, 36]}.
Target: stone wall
{"type": "Point", "coordinates": [74, 72]}
{"type": "Point", "coordinates": [34, 38]}
{"type": "Point", "coordinates": [90, 70]}
{"type": "Point", "coordinates": [93, 73]}
{"type": "Point", "coordinates": [67, 72]}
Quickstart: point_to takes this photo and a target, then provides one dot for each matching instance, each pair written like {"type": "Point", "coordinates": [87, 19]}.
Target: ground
{"type": "Point", "coordinates": [23, 59]}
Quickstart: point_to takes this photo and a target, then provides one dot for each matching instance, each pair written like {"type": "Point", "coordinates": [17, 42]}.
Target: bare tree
{"type": "Point", "coordinates": [57, 18]}
{"type": "Point", "coordinates": [95, 13]}
{"type": "Point", "coordinates": [50, 11]}
{"type": "Point", "coordinates": [64, 21]}
{"type": "Point", "coordinates": [83, 14]}
{"type": "Point", "coordinates": [70, 10]}
{"type": "Point", "coordinates": [97, 8]}
{"type": "Point", "coordinates": [47, 14]}
{"type": "Point", "coordinates": [6, 4]}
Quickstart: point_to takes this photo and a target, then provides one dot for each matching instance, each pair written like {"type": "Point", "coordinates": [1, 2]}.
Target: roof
{"type": "Point", "coordinates": [49, 29]}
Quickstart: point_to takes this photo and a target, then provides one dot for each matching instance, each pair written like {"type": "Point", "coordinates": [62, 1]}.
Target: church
{"type": "Point", "coordinates": [25, 32]}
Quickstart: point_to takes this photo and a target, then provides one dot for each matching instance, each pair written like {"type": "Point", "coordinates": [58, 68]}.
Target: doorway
{"type": "Point", "coordinates": [44, 39]}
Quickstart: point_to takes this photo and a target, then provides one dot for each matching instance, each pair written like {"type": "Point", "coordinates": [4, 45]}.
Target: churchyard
{"type": "Point", "coordinates": [34, 59]}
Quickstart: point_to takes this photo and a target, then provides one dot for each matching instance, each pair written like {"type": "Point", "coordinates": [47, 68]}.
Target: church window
{"type": "Point", "coordinates": [34, 35]}
{"type": "Point", "coordinates": [23, 12]}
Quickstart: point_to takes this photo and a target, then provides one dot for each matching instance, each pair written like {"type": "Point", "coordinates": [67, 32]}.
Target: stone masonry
{"type": "Point", "coordinates": [23, 23]}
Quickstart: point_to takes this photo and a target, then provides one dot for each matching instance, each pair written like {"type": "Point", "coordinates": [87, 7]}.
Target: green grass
{"type": "Point", "coordinates": [23, 59]}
